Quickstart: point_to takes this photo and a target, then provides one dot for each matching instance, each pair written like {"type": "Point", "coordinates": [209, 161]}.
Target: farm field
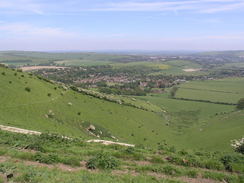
{"type": "Point", "coordinates": [223, 90]}
{"type": "Point", "coordinates": [181, 67]}
{"type": "Point", "coordinates": [156, 65]}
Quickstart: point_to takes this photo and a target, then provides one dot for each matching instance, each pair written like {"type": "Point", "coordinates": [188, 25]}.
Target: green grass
{"type": "Point", "coordinates": [198, 124]}
{"type": "Point", "coordinates": [228, 90]}
{"type": "Point", "coordinates": [29, 110]}
{"type": "Point", "coordinates": [49, 158]}
{"type": "Point", "coordinates": [185, 124]}
{"type": "Point", "coordinates": [156, 65]}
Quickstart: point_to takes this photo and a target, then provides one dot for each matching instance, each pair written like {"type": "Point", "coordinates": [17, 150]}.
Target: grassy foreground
{"type": "Point", "coordinates": [50, 158]}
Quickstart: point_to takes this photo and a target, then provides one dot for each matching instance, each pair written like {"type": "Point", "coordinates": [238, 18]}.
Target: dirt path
{"type": "Point", "coordinates": [106, 142]}
{"type": "Point", "coordinates": [31, 132]}
{"type": "Point", "coordinates": [19, 130]}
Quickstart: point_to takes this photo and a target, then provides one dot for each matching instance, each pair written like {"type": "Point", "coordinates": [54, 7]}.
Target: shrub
{"type": "Point", "coordinates": [73, 161]}
{"type": "Point", "coordinates": [240, 104]}
{"type": "Point", "coordinates": [130, 150]}
{"type": "Point", "coordinates": [226, 160]}
{"type": "Point", "coordinates": [173, 91]}
{"type": "Point", "coordinates": [220, 177]}
{"type": "Point", "coordinates": [30, 176]}
{"type": "Point", "coordinates": [211, 164]}
{"type": "Point", "coordinates": [28, 89]}
{"type": "Point", "coordinates": [7, 168]}
{"type": "Point", "coordinates": [169, 170]}
{"type": "Point", "coordinates": [156, 159]}
{"type": "Point", "coordinates": [3, 73]}
{"type": "Point", "coordinates": [103, 161]}
{"type": "Point", "coordinates": [36, 145]}
{"type": "Point", "coordinates": [48, 159]}
{"type": "Point", "coordinates": [192, 173]}
{"type": "Point", "coordinates": [238, 145]}
{"type": "Point", "coordinates": [49, 94]}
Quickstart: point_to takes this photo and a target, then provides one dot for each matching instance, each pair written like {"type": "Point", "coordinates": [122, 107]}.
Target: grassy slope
{"type": "Point", "coordinates": [48, 158]}
{"type": "Point", "coordinates": [191, 124]}
{"type": "Point", "coordinates": [28, 109]}
{"type": "Point", "coordinates": [197, 124]}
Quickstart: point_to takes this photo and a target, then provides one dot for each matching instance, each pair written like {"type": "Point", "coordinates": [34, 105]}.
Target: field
{"type": "Point", "coordinates": [179, 67]}
{"type": "Point", "coordinates": [223, 90]}
{"type": "Point", "coordinates": [193, 123]}
{"type": "Point", "coordinates": [156, 65]}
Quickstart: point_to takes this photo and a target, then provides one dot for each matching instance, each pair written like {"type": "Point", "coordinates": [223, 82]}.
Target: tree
{"type": "Point", "coordinates": [240, 104]}
{"type": "Point", "coordinates": [173, 91]}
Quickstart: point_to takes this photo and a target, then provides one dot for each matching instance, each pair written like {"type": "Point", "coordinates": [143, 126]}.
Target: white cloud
{"type": "Point", "coordinates": [20, 6]}
{"type": "Point", "coordinates": [200, 6]}
{"type": "Point", "coordinates": [27, 30]}
{"type": "Point", "coordinates": [77, 6]}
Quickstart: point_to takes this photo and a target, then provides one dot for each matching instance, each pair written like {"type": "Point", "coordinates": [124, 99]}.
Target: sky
{"type": "Point", "coordinates": [83, 25]}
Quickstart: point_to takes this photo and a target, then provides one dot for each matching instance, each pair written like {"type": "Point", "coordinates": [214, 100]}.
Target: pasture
{"type": "Point", "coordinates": [228, 90]}
{"type": "Point", "coordinates": [195, 123]}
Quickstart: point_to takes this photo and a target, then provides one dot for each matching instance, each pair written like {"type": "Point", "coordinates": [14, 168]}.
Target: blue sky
{"type": "Point", "coordinates": [121, 24]}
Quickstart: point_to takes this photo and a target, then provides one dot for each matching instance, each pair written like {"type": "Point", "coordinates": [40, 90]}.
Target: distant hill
{"type": "Point", "coordinates": [224, 53]}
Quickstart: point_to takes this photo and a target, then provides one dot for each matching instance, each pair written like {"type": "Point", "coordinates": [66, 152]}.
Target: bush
{"type": "Point", "coordinates": [48, 159]}
{"type": "Point", "coordinates": [7, 168]}
{"type": "Point", "coordinates": [220, 177]}
{"type": "Point", "coordinates": [226, 160]}
{"type": "Point", "coordinates": [130, 150]}
{"type": "Point", "coordinates": [211, 164]}
{"type": "Point", "coordinates": [156, 159]}
{"type": "Point", "coordinates": [36, 145]}
{"type": "Point", "coordinates": [73, 161]}
{"type": "Point", "coordinates": [103, 161]}
{"type": "Point", "coordinates": [192, 173]}
{"type": "Point", "coordinates": [30, 176]}
{"type": "Point", "coordinates": [238, 145]}
{"type": "Point", "coordinates": [240, 104]}
{"type": "Point", "coordinates": [169, 170]}
{"type": "Point", "coordinates": [28, 89]}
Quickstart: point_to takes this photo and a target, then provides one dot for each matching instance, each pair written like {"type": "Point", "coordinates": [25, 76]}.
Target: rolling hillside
{"type": "Point", "coordinates": [32, 103]}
